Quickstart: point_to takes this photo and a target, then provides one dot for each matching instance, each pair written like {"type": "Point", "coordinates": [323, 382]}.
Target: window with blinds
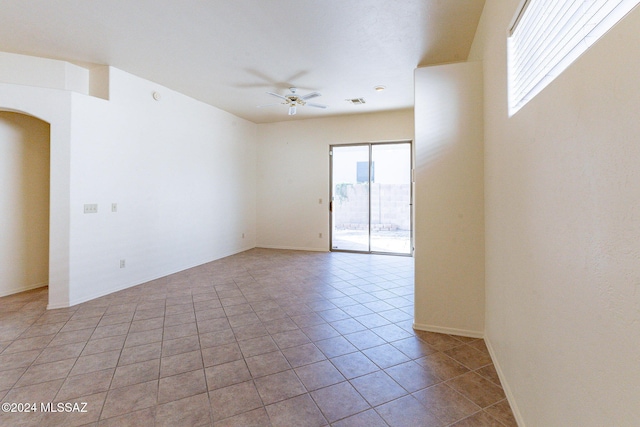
{"type": "Point", "coordinates": [546, 36]}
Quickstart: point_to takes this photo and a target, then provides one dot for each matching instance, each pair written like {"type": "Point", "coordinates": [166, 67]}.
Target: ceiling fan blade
{"type": "Point", "coordinates": [277, 96]}
{"type": "Point", "coordinates": [309, 104]}
{"type": "Point", "coordinates": [310, 95]}
{"type": "Point", "coordinates": [292, 110]}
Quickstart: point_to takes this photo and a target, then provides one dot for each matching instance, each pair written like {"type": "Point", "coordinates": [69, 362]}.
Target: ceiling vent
{"type": "Point", "coordinates": [357, 101]}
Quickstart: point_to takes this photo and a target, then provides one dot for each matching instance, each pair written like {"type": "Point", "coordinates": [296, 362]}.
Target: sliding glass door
{"type": "Point", "coordinates": [371, 198]}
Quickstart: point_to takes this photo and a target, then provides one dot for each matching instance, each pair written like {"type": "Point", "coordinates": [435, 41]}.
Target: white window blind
{"type": "Point", "coordinates": [548, 35]}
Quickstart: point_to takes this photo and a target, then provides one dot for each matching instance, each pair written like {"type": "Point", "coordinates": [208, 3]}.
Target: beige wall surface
{"type": "Point", "coordinates": [562, 197]}
{"type": "Point", "coordinates": [449, 281]}
{"type": "Point", "coordinates": [293, 173]}
{"type": "Point", "coordinates": [24, 202]}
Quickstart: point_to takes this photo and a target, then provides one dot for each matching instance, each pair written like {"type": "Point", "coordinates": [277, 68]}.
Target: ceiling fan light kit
{"type": "Point", "coordinates": [293, 100]}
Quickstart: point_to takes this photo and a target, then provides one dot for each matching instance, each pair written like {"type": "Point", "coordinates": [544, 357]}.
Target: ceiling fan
{"type": "Point", "coordinates": [293, 100]}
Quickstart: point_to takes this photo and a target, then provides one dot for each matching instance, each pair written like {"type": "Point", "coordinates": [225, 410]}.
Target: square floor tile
{"type": "Point", "coordinates": [180, 345]}
{"type": "Point", "coordinates": [501, 411]}
{"type": "Point", "coordinates": [290, 338]}
{"type": "Point", "coordinates": [256, 346]}
{"type": "Point", "coordinates": [276, 387]}
{"type": "Point", "coordinates": [469, 356]}
{"type": "Point", "coordinates": [140, 353]}
{"type": "Point", "coordinates": [182, 385]}
{"type": "Point", "coordinates": [339, 401]}
{"type": "Point", "coordinates": [221, 354]}
{"type": "Point", "coordinates": [348, 326]}
{"type": "Point", "coordinates": [303, 355]}
{"type": "Point", "coordinates": [136, 373]}
{"type": "Point", "coordinates": [85, 385]}
{"type": "Point", "coordinates": [318, 375]}
{"type": "Point", "coordinates": [354, 365]}
{"type": "Point", "coordinates": [233, 400]}
{"type": "Point", "coordinates": [94, 404]}
{"type": "Point", "coordinates": [179, 363]}
{"type": "Point", "coordinates": [442, 366]}
{"type": "Point", "coordinates": [479, 419]}
{"type": "Point", "coordinates": [336, 346]}
{"type": "Point", "coordinates": [364, 339]}
{"type": "Point", "coordinates": [128, 399]}
{"type": "Point", "coordinates": [254, 418]}
{"type": "Point", "coordinates": [412, 376]}
{"type": "Point", "coordinates": [378, 388]}
{"type": "Point", "coordinates": [297, 411]}
{"type": "Point", "coordinates": [46, 372]}
{"type": "Point", "coordinates": [227, 374]}
{"type": "Point", "coordinates": [243, 341]}
{"type": "Point", "coordinates": [368, 418]}
{"type": "Point", "coordinates": [266, 364]}
{"type": "Point", "coordinates": [445, 403]}
{"type": "Point", "coordinates": [480, 391]}
{"type": "Point", "coordinates": [407, 411]}
{"type": "Point", "coordinates": [320, 332]}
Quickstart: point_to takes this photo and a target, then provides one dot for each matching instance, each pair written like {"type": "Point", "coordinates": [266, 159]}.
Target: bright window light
{"type": "Point", "coordinates": [546, 36]}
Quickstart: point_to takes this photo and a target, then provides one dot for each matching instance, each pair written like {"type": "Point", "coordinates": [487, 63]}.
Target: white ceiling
{"type": "Point", "coordinates": [228, 53]}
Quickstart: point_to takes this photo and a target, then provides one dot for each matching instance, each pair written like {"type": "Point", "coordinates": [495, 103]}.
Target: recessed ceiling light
{"type": "Point", "coordinates": [379, 88]}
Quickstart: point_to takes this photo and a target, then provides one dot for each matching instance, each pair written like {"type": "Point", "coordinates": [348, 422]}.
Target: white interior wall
{"type": "Point", "coordinates": [562, 190]}
{"type": "Point", "coordinates": [449, 206]}
{"type": "Point", "coordinates": [293, 173]}
{"type": "Point", "coordinates": [24, 202]}
{"type": "Point", "coordinates": [182, 173]}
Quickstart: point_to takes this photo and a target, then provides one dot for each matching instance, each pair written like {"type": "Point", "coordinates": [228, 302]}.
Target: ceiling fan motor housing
{"type": "Point", "coordinates": [292, 100]}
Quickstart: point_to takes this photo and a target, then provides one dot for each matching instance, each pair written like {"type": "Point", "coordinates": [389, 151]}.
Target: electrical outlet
{"type": "Point", "coordinates": [114, 207]}
{"type": "Point", "coordinates": [320, 235]}
{"type": "Point", "coordinates": [122, 263]}
{"type": "Point", "coordinates": [319, 201]}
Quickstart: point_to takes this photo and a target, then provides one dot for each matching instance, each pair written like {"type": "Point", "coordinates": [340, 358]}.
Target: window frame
{"type": "Point", "coordinates": [579, 39]}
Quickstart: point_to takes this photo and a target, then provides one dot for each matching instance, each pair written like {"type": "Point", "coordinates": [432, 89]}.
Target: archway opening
{"type": "Point", "coordinates": [24, 202]}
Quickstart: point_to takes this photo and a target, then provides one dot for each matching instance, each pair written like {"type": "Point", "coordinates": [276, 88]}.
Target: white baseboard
{"type": "Point", "coordinates": [56, 306]}
{"type": "Point", "coordinates": [505, 385]}
{"type": "Point", "coordinates": [450, 331]}
{"type": "Point", "coordinates": [19, 289]}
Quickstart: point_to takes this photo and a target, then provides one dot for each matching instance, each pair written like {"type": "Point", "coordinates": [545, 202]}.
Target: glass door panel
{"type": "Point", "coordinates": [350, 198]}
{"type": "Point", "coordinates": [390, 207]}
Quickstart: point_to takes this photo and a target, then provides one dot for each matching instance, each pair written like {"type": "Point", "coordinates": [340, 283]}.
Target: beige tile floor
{"type": "Point", "coordinates": [262, 338]}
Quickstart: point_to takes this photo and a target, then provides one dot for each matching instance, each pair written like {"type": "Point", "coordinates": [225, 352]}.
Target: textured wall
{"type": "Point", "coordinates": [293, 173]}
{"type": "Point", "coordinates": [449, 199]}
{"type": "Point", "coordinates": [562, 197]}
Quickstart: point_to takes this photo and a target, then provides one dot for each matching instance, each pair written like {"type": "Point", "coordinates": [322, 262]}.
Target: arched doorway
{"type": "Point", "coordinates": [24, 202]}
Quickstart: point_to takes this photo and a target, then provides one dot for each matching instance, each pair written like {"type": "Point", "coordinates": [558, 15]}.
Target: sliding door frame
{"type": "Point", "coordinates": [411, 188]}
